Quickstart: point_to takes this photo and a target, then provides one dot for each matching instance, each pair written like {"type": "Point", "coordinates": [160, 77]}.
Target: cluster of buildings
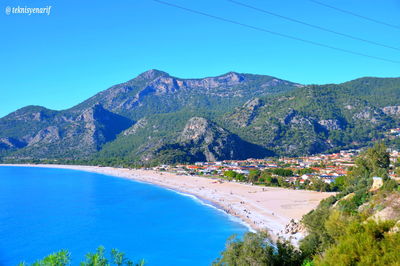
{"type": "Point", "coordinates": [326, 167]}
{"type": "Point", "coordinates": [393, 133]}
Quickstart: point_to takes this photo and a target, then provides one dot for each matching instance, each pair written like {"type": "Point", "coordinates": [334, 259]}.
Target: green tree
{"type": "Point", "coordinates": [397, 171]}
{"type": "Point", "coordinates": [282, 182]}
{"type": "Point", "coordinates": [268, 179]}
{"type": "Point", "coordinates": [282, 172]}
{"type": "Point", "coordinates": [254, 175]}
{"type": "Point", "coordinates": [304, 171]}
{"type": "Point", "coordinates": [318, 237]}
{"type": "Point", "coordinates": [338, 184]}
{"type": "Point", "coordinates": [351, 204]}
{"type": "Point", "coordinates": [364, 244]}
{"type": "Point", "coordinates": [240, 177]}
{"type": "Point", "coordinates": [98, 258]}
{"type": "Point", "coordinates": [378, 157]}
{"type": "Point", "coordinates": [256, 249]}
{"type": "Point", "coordinates": [118, 258]}
{"type": "Point", "coordinates": [374, 162]}
{"type": "Point", "coordinates": [390, 185]}
{"type": "Point", "coordinates": [319, 185]}
{"type": "Point", "coordinates": [230, 174]}
{"type": "Point", "coordinates": [60, 258]}
{"type": "Point", "coordinates": [397, 163]}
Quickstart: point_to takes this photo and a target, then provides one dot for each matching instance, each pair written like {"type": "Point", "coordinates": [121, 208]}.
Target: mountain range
{"type": "Point", "coordinates": [156, 117]}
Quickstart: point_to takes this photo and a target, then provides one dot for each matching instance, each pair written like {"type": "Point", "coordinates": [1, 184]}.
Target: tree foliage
{"type": "Point", "coordinates": [98, 258]}
{"type": "Point", "coordinates": [256, 249]}
{"type": "Point", "coordinates": [367, 243]}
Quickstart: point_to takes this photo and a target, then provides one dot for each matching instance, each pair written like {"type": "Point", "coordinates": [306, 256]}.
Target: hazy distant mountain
{"type": "Point", "coordinates": [157, 117]}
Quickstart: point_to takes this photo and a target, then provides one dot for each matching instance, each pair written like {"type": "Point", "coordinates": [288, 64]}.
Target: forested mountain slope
{"type": "Point", "coordinates": [146, 119]}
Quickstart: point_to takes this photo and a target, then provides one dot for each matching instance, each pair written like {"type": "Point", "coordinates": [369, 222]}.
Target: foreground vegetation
{"type": "Point", "coordinates": [347, 229]}
{"type": "Point", "coordinates": [98, 258]}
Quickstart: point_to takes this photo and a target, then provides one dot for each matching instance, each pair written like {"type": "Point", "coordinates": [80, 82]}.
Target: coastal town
{"type": "Point", "coordinates": [291, 172]}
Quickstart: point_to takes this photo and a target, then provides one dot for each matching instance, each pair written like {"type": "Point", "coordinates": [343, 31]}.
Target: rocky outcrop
{"type": "Point", "coordinates": [160, 84]}
{"type": "Point", "coordinates": [244, 115]}
{"type": "Point", "coordinates": [203, 140]}
{"type": "Point", "coordinates": [101, 125]}
{"type": "Point", "coordinates": [294, 227]}
{"type": "Point", "coordinates": [253, 104]}
{"type": "Point", "coordinates": [200, 129]}
{"type": "Point", "coordinates": [396, 228]}
{"type": "Point", "coordinates": [294, 118]}
{"type": "Point", "coordinates": [388, 213]}
{"type": "Point", "coordinates": [392, 110]}
{"type": "Point", "coordinates": [331, 124]}
{"type": "Point", "coordinates": [48, 135]}
{"type": "Point", "coordinates": [139, 125]}
{"type": "Point", "coordinates": [214, 142]}
{"type": "Point", "coordinates": [229, 79]}
{"type": "Point", "coordinates": [369, 114]}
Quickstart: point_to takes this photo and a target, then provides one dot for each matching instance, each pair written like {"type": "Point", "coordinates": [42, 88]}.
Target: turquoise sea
{"type": "Point", "coordinates": [43, 210]}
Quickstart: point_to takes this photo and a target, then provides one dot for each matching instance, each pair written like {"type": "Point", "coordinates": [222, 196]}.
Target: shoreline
{"type": "Point", "coordinates": [207, 203]}
{"type": "Point", "coordinates": [256, 207]}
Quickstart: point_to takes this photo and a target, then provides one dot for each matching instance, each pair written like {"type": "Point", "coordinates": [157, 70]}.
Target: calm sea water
{"type": "Point", "coordinates": [44, 210]}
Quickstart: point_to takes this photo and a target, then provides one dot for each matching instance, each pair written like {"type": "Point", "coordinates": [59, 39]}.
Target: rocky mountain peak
{"type": "Point", "coordinates": [231, 77]}
{"type": "Point", "coordinates": [228, 79]}
{"type": "Point", "coordinates": [152, 74]}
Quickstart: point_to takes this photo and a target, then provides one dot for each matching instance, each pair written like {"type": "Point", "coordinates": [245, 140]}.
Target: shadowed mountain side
{"type": "Point", "coordinates": [203, 140]}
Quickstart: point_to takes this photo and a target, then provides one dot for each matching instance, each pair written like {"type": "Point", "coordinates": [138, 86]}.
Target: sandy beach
{"type": "Point", "coordinates": [261, 208]}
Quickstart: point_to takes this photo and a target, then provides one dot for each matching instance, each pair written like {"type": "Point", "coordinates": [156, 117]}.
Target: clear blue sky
{"type": "Point", "coordinates": [84, 47]}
